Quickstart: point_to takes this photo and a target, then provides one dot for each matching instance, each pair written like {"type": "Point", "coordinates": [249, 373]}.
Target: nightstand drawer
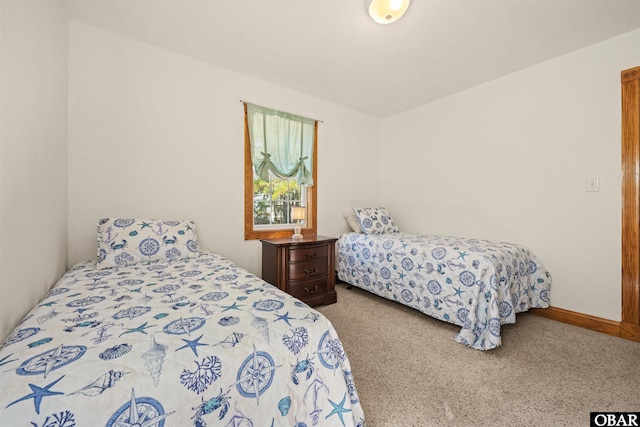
{"type": "Point", "coordinates": [308, 253]}
{"type": "Point", "coordinates": [303, 267]}
{"type": "Point", "coordinates": [308, 270]}
{"type": "Point", "coordinates": [308, 288]}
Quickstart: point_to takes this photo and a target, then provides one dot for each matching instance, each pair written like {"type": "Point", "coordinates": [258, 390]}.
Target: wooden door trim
{"type": "Point", "coordinates": [630, 323]}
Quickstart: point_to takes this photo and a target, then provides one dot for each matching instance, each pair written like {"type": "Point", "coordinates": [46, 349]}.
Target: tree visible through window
{"type": "Point", "coordinates": [280, 172]}
{"type": "Point", "coordinates": [273, 200]}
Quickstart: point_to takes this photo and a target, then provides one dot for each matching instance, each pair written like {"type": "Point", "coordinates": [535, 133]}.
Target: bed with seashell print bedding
{"type": "Point", "coordinates": [178, 337]}
{"type": "Point", "coordinates": [479, 285]}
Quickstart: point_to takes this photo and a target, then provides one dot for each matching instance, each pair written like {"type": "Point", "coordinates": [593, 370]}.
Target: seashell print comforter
{"type": "Point", "coordinates": [178, 343]}
{"type": "Point", "coordinates": [476, 284]}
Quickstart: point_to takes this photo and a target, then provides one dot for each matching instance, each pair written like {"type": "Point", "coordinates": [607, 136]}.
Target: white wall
{"type": "Point", "coordinates": [33, 154]}
{"type": "Point", "coordinates": [156, 134]}
{"type": "Point", "coordinates": [153, 133]}
{"type": "Point", "coordinates": [509, 160]}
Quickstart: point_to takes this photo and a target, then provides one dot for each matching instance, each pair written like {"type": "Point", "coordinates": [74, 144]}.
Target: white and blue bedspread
{"type": "Point", "coordinates": [476, 284]}
{"type": "Point", "coordinates": [176, 343]}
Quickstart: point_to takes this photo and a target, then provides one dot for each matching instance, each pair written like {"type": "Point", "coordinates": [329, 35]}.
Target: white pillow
{"type": "Point", "coordinates": [375, 220]}
{"type": "Point", "coordinates": [127, 241]}
{"type": "Point", "coordinates": [352, 220]}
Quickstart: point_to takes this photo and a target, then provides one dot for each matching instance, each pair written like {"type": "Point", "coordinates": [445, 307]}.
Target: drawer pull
{"type": "Point", "coordinates": [311, 256]}
{"type": "Point", "coordinates": [309, 291]}
{"type": "Point", "coordinates": [311, 272]}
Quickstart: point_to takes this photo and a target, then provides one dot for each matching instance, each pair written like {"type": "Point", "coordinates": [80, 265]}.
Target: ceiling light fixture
{"type": "Point", "coordinates": [386, 11]}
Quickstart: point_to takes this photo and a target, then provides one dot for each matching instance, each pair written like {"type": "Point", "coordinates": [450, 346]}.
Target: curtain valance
{"type": "Point", "coordinates": [281, 143]}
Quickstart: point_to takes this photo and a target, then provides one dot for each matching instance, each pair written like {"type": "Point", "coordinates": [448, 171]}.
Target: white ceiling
{"type": "Point", "coordinates": [332, 50]}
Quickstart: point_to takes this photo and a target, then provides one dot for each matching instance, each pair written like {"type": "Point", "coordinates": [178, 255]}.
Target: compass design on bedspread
{"type": "Point", "coordinates": [57, 291]}
{"type": "Point", "coordinates": [130, 282]}
{"type": "Point", "coordinates": [141, 411]}
{"type": "Point", "coordinates": [214, 296]}
{"type": "Point", "coordinates": [268, 305]}
{"type": "Point", "coordinates": [330, 351]}
{"type": "Point", "coordinates": [51, 360]}
{"type": "Point", "coordinates": [99, 273]}
{"type": "Point", "coordinates": [20, 335]}
{"type": "Point", "coordinates": [85, 302]}
{"type": "Point", "coordinates": [157, 267]}
{"type": "Point", "coordinates": [184, 326]}
{"type": "Point", "coordinates": [256, 374]}
{"type": "Point", "coordinates": [166, 289]}
{"type": "Point", "coordinates": [190, 273]}
{"type": "Point", "coordinates": [131, 312]}
{"type": "Point", "coordinates": [227, 277]}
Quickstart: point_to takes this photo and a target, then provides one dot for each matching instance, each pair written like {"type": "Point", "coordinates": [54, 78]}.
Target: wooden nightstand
{"type": "Point", "coordinates": [304, 268]}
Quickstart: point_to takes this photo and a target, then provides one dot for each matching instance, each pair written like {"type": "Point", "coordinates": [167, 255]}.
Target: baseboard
{"type": "Point", "coordinates": [610, 327]}
{"type": "Point", "coordinates": [630, 332]}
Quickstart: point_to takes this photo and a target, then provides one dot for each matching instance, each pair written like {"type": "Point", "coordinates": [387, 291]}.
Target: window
{"type": "Point", "coordinates": [273, 200]}
{"type": "Point", "coordinates": [280, 172]}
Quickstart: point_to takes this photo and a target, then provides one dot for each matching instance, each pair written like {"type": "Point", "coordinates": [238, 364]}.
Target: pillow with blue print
{"type": "Point", "coordinates": [128, 241]}
{"type": "Point", "coordinates": [375, 220]}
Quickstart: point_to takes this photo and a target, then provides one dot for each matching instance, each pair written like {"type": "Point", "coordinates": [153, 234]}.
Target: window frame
{"type": "Point", "coordinates": [310, 223]}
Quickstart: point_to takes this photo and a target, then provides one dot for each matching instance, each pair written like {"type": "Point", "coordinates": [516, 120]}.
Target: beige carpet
{"type": "Point", "coordinates": [410, 371]}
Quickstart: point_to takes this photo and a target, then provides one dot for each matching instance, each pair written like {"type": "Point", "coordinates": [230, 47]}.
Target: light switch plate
{"type": "Point", "coordinates": [593, 184]}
